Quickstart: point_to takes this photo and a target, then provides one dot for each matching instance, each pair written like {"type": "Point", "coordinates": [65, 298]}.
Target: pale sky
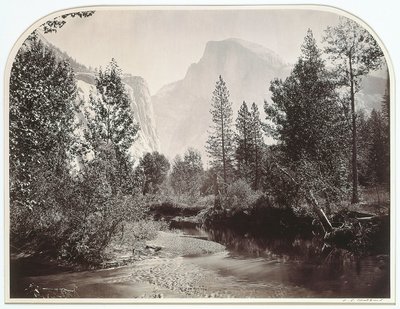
{"type": "Point", "coordinates": [159, 45]}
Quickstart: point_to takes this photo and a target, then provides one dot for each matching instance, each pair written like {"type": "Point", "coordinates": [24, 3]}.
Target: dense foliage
{"type": "Point", "coordinates": [70, 215]}
{"type": "Point", "coordinates": [154, 169]}
{"type": "Point", "coordinates": [110, 121]}
{"type": "Point", "coordinates": [186, 175]}
{"type": "Point", "coordinates": [310, 124]}
{"type": "Point", "coordinates": [311, 117]}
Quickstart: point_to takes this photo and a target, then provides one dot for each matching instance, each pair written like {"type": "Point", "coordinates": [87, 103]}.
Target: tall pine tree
{"type": "Point", "coordinates": [243, 142]}
{"type": "Point", "coordinates": [220, 143]}
{"type": "Point", "coordinates": [355, 53]}
{"type": "Point", "coordinates": [257, 145]}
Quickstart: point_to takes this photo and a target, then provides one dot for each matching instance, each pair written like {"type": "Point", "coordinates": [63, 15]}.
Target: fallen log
{"type": "Point", "coordinates": [326, 224]}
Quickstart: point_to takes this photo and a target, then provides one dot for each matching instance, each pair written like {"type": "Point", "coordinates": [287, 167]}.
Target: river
{"type": "Point", "coordinates": [246, 266]}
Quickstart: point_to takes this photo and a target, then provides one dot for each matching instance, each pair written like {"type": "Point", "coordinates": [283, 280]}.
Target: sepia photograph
{"type": "Point", "coordinates": [199, 154]}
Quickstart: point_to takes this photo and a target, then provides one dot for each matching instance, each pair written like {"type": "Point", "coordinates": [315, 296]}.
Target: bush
{"type": "Point", "coordinates": [133, 233]}
{"type": "Point", "coordinates": [205, 202]}
{"type": "Point", "coordinates": [239, 196]}
{"type": "Point", "coordinates": [75, 219]}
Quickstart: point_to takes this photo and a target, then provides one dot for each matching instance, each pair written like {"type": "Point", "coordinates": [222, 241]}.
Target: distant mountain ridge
{"type": "Point", "coordinates": [182, 107]}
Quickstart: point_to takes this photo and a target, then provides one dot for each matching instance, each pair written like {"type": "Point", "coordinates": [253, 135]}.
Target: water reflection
{"type": "Point", "coordinates": [297, 262]}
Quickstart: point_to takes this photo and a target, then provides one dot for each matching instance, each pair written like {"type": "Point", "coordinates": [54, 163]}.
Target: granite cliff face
{"type": "Point", "coordinates": [138, 91]}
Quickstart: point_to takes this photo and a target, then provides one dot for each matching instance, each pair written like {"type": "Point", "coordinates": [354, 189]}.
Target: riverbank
{"type": "Point", "coordinates": [208, 252]}
{"type": "Point", "coordinates": [153, 272]}
{"type": "Point", "coordinates": [189, 265]}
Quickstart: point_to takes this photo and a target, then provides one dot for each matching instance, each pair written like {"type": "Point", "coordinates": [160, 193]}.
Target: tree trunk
{"type": "Point", "coordinates": [256, 175]}
{"type": "Point", "coordinates": [354, 198]}
{"type": "Point", "coordinates": [223, 144]}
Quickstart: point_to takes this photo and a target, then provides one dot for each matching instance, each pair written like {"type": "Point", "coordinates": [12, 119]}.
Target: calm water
{"type": "Point", "coordinates": [298, 263]}
{"type": "Point", "coordinates": [249, 267]}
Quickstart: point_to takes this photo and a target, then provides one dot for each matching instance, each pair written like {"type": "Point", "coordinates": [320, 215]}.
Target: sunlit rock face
{"type": "Point", "coordinates": [182, 108]}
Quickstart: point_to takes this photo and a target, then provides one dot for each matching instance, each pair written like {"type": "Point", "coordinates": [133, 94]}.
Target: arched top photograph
{"type": "Point", "coordinates": [186, 154]}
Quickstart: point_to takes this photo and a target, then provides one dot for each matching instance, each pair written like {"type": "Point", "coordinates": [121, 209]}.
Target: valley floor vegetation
{"type": "Point", "coordinates": [76, 190]}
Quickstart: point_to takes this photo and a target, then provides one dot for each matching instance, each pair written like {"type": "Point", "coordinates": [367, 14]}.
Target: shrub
{"type": "Point", "coordinates": [239, 196]}
{"type": "Point", "coordinates": [205, 201]}
{"type": "Point", "coordinates": [132, 233]}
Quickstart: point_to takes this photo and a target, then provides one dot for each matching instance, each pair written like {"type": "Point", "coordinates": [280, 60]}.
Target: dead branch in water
{"type": "Point", "coordinates": [309, 195]}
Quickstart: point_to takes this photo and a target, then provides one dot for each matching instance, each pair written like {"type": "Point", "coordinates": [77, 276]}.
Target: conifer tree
{"type": "Point", "coordinates": [257, 145]}
{"type": "Point", "coordinates": [309, 123]}
{"type": "Point", "coordinates": [355, 53]}
{"type": "Point", "coordinates": [220, 143]}
{"type": "Point", "coordinates": [243, 141]}
{"type": "Point", "coordinates": [377, 160]}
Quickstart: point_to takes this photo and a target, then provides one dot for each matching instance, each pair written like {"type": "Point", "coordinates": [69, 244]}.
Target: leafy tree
{"type": "Point", "coordinates": [154, 168]}
{"type": "Point", "coordinates": [220, 143]}
{"type": "Point", "coordinates": [42, 94]}
{"type": "Point", "coordinates": [110, 120]}
{"type": "Point", "coordinates": [239, 196]}
{"type": "Point", "coordinates": [243, 141]}
{"type": "Point", "coordinates": [355, 53]}
{"type": "Point", "coordinates": [113, 121]}
{"type": "Point", "coordinates": [95, 213]}
{"type": "Point", "coordinates": [178, 175]}
{"type": "Point", "coordinates": [41, 134]}
{"type": "Point", "coordinates": [59, 21]}
{"type": "Point", "coordinates": [309, 124]}
{"type": "Point", "coordinates": [186, 174]}
{"type": "Point", "coordinates": [72, 217]}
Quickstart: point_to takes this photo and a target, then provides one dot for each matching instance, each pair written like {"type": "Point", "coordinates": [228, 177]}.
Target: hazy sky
{"type": "Point", "coordinates": [159, 45]}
